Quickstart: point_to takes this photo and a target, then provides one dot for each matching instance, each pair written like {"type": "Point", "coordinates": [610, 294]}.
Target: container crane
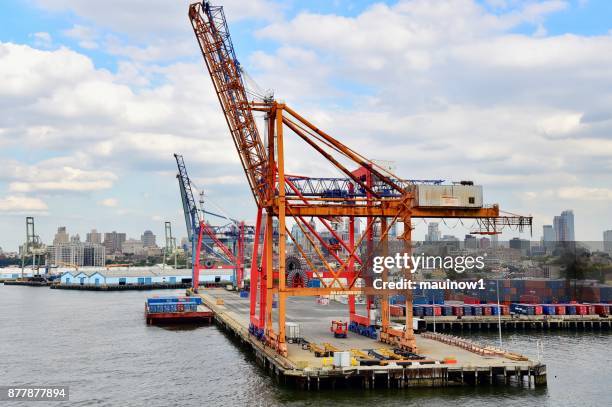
{"type": "Point", "coordinates": [197, 228]}
{"type": "Point", "coordinates": [370, 192]}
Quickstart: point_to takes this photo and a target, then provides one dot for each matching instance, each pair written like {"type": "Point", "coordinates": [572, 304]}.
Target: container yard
{"type": "Point", "coordinates": [318, 359]}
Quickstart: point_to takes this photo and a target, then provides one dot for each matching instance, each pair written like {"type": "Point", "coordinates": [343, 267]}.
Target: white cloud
{"type": "Point", "coordinates": [150, 29]}
{"type": "Point", "coordinates": [42, 39]}
{"type": "Point", "coordinates": [586, 194]}
{"type": "Point", "coordinates": [86, 36]}
{"type": "Point", "coordinates": [109, 202]}
{"type": "Point", "coordinates": [21, 204]}
{"type": "Point", "coordinates": [55, 175]}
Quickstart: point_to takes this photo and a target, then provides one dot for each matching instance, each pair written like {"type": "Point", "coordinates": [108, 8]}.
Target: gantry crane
{"type": "Point", "coordinates": [32, 246]}
{"type": "Point", "coordinates": [370, 192]}
{"type": "Point", "coordinates": [197, 228]}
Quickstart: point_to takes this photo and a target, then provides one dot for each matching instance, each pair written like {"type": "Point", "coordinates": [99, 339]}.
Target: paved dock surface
{"type": "Point", "coordinates": [315, 320]}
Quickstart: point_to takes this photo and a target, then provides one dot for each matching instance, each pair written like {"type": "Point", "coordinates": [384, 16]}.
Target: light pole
{"type": "Point", "coordinates": [433, 309]}
{"type": "Point", "coordinates": [499, 314]}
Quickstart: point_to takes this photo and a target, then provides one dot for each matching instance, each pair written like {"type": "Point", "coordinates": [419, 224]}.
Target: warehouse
{"type": "Point", "coordinates": [141, 276]}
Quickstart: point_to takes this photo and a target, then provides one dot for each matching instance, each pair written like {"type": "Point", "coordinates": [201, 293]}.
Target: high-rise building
{"type": "Point", "coordinates": [484, 243]}
{"type": "Point", "coordinates": [564, 226]}
{"type": "Point", "coordinates": [114, 242]}
{"type": "Point", "coordinates": [607, 241]}
{"type": "Point", "coordinates": [94, 237]}
{"type": "Point", "coordinates": [548, 234]}
{"type": "Point", "coordinates": [77, 254]}
{"type": "Point", "coordinates": [470, 242]}
{"type": "Point", "coordinates": [433, 232]}
{"type": "Point", "coordinates": [148, 239]}
{"type": "Point", "coordinates": [61, 237]}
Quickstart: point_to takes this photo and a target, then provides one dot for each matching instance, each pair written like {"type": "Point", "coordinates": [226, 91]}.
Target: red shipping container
{"type": "Point", "coordinates": [360, 319]}
{"type": "Point", "coordinates": [486, 310]}
{"type": "Point", "coordinates": [505, 310]}
{"type": "Point", "coordinates": [537, 309]}
{"type": "Point", "coordinates": [560, 309]}
{"type": "Point", "coordinates": [581, 310]}
{"type": "Point", "coordinates": [471, 300]}
{"type": "Point", "coordinates": [457, 310]}
{"type": "Point", "coordinates": [602, 309]}
{"type": "Point", "coordinates": [437, 311]}
{"type": "Point", "coordinates": [396, 310]}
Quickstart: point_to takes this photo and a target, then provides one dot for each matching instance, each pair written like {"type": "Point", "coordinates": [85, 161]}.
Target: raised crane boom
{"type": "Point", "coordinates": [190, 209]}
{"type": "Point", "coordinates": [213, 36]}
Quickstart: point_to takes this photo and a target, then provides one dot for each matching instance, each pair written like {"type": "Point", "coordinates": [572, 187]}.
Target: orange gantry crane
{"type": "Point", "coordinates": [370, 192]}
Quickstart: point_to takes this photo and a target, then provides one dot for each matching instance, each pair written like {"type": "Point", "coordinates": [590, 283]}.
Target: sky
{"type": "Point", "coordinates": [515, 95]}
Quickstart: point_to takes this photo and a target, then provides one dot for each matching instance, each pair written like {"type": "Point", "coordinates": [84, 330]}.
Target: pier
{"type": "Point", "coordinates": [518, 323]}
{"type": "Point", "coordinates": [446, 364]}
{"type": "Point", "coordinates": [118, 287]}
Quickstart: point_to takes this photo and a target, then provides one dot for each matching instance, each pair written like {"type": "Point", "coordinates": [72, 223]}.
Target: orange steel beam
{"type": "Point", "coordinates": [345, 150]}
{"type": "Point", "coordinates": [328, 156]}
{"type": "Point", "coordinates": [390, 209]}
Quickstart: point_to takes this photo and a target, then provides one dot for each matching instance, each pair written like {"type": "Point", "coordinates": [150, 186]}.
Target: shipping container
{"type": "Point", "coordinates": [396, 310]}
{"type": "Point", "coordinates": [447, 310]}
{"type": "Point", "coordinates": [486, 310]}
{"type": "Point", "coordinates": [457, 310]}
{"type": "Point", "coordinates": [467, 310]}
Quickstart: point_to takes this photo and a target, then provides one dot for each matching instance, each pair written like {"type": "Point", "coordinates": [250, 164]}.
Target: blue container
{"type": "Point", "coordinates": [467, 310]}
{"type": "Point", "coordinates": [494, 309]}
{"type": "Point", "coordinates": [418, 311]}
{"type": "Point", "coordinates": [428, 311]}
{"type": "Point", "coordinates": [549, 310]}
{"type": "Point", "coordinates": [570, 309]}
{"type": "Point", "coordinates": [314, 283]}
{"type": "Point", "coordinates": [476, 310]}
{"type": "Point", "coordinates": [421, 300]}
{"type": "Point", "coordinates": [447, 310]}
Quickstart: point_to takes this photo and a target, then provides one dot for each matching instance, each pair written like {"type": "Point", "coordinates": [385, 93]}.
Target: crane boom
{"type": "Point", "coordinates": [190, 209]}
{"type": "Point", "coordinates": [210, 28]}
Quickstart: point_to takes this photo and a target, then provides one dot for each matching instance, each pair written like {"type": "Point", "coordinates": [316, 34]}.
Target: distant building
{"type": "Point", "coordinates": [148, 239]}
{"type": "Point", "coordinates": [114, 242]}
{"type": "Point", "coordinates": [61, 237]}
{"type": "Point", "coordinates": [433, 232]}
{"type": "Point", "coordinates": [484, 243]}
{"type": "Point", "coordinates": [133, 247]}
{"type": "Point", "coordinates": [94, 237]}
{"type": "Point", "coordinates": [564, 226]}
{"type": "Point", "coordinates": [470, 242]}
{"type": "Point", "coordinates": [77, 254]}
{"type": "Point", "coordinates": [520, 244]}
{"type": "Point", "coordinates": [607, 241]}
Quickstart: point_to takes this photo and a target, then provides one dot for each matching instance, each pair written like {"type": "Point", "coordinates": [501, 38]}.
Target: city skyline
{"type": "Point", "coordinates": [439, 103]}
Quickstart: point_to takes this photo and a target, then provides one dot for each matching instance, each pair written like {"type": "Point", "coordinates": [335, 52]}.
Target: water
{"type": "Point", "coordinates": [99, 344]}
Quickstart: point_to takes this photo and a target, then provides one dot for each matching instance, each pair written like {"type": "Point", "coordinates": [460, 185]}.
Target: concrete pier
{"type": "Point", "coordinates": [303, 369]}
{"type": "Point", "coordinates": [518, 323]}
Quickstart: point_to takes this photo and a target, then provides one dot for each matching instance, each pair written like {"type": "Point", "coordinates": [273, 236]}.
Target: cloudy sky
{"type": "Point", "coordinates": [97, 95]}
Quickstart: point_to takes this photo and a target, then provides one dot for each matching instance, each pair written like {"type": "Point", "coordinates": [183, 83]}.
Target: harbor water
{"type": "Point", "coordinates": [99, 344]}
